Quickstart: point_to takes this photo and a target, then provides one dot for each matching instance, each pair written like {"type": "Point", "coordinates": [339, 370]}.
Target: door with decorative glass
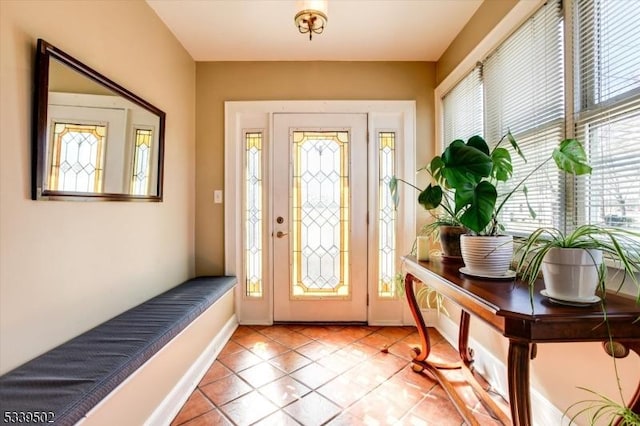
{"type": "Point", "coordinates": [319, 202]}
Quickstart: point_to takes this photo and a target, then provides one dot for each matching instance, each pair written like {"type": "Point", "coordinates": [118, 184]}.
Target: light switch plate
{"type": "Point", "coordinates": [217, 196]}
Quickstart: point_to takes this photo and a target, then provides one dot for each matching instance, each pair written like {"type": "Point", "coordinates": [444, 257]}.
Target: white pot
{"type": "Point", "coordinates": [571, 273]}
{"type": "Point", "coordinates": [487, 255]}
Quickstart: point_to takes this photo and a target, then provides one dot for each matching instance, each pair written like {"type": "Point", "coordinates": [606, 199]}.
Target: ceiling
{"type": "Point", "coordinates": [357, 30]}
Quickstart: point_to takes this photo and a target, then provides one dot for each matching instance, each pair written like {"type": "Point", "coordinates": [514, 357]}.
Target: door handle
{"type": "Point", "coordinates": [281, 234]}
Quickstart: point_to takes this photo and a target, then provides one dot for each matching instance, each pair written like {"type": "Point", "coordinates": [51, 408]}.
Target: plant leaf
{"type": "Point", "coordinates": [571, 157]}
{"type": "Point", "coordinates": [481, 200]}
{"type": "Point", "coordinates": [525, 191]}
{"type": "Point", "coordinates": [515, 146]}
{"type": "Point", "coordinates": [431, 197]}
{"type": "Point", "coordinates": [479, 143]}
{"type": "Point", "coordinates": [464, 195]}
{"type": "Point", "coordinates": [463, 164]}
{"type": "Point", "coordinates": [393, 188]}
{"type": "Point", "coordinates": [502, 168]}
{"type": "Point", "coordinates": [435, 168]}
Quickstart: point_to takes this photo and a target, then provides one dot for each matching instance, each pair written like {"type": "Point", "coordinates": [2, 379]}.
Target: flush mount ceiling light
{"type": "Point", "coordinates": [311, 17]}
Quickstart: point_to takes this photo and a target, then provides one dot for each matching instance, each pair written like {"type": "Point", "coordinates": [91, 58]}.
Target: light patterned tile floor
{"type": "Point", "coordinates": [324, 375]}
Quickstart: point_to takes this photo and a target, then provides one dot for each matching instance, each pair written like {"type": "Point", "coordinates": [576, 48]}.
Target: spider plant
{"type": "Point", "coordinates": [426, 296]}
{"type": "Point", "coordinates": [621, 246]}
{"type": "Point", "coordinates": [602, 408]}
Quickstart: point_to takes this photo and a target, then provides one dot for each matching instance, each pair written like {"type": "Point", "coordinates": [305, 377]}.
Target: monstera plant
{"type": "Point", "coordinates": [475, 174]}
{"type": "Point", "coordinates": [445, 224]}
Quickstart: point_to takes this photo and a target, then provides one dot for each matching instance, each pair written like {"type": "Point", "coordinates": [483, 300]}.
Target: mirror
{"type": "Point", "coordinates": [93, 139]}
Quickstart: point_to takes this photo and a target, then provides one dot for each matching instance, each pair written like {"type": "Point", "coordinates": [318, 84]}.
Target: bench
{"type": "Point", "coordinates": [64, 383]}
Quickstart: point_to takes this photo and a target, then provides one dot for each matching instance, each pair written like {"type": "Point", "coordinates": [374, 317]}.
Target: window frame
{"type": "Point", "coordinates": [573, 202]}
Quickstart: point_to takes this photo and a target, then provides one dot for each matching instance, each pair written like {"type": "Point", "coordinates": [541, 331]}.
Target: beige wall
{"type": "Point", "coordinates": [486, 17]}
{"type": "Point", "coordinates": [558, 369]}
{"type": "Point", "coordinates": [67, 266]}
{"type": "Point", "coordinates": [218, 82]}
{"type": "Point", "coordinates": [62, 78]}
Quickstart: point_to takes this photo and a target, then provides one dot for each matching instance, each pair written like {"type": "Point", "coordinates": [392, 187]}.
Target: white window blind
{"type": "Point", "coordinates": [463, 109]}
{"type": "Point", "coordinates": [519, 87]}
{"type": "Point", "coordinates": [607, 87]}
{"type": "Point", "coordinates": [524, 93]}
{"type": "Point", "coordinates": [523, 90]}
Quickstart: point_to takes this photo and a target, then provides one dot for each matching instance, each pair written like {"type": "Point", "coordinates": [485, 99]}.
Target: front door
{"type": "Point", "coordinates": [319, 207]}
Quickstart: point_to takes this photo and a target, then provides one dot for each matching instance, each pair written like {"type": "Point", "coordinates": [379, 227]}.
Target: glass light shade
{"type": "Point", "coordinates": [320, 6]}
{"type": "Point", "coordinates": [307, 9]}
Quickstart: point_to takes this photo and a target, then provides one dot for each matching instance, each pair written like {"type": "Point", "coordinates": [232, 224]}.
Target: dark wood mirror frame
{"type": "Point", "coordinates": [41, 162]}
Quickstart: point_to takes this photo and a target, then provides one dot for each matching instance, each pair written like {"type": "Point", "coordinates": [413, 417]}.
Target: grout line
{"type": "Point", "coordinates": [336, 348]}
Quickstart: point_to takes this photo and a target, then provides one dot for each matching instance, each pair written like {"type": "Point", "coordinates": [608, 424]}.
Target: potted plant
{"type": "Point", "coordinates": [573, 264]}
{"type": "Point", "coordinates": [445, 226]}
{"type": "Point", "coordinates": [600, 408]}
{"type": "Point", "coordinates": [473, 172]}
{"type": "Point", "coordinates": [447, 231]}
{"type": "Point", "coordinates": [574, 269]}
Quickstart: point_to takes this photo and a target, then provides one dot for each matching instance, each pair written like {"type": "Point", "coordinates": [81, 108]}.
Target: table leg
{"type": "Point", "coordinates": [420, 362]}
{"type": "Point", "coordinates": [466, 353]}
{"type": "Point", "coordinates": [420, 354]}
{"type": "Point", "coordinates": [518, 377]}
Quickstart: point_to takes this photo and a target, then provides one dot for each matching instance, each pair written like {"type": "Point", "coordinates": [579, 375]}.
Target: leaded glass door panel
{"type": "Point", "coordinates": [320, 217]}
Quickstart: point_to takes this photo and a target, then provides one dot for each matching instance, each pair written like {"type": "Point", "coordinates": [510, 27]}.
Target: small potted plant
{"type": "Point", "coordinates": [602, 409]}
{"type": "Point", "coordinates": [445, 225]}
{"type": "Point", "coordinates": [573, 264]}
{"type": "Point", "coordinates": [473, 172]}
{"type": "Point", "coordinates": [574, 269]}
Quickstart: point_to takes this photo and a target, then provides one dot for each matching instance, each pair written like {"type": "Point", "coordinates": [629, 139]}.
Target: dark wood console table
{"type": "Point", "coordinates": [508, 308]}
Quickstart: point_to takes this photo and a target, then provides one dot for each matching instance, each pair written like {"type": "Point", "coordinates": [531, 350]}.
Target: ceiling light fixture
{"type": "Point", "coordinates": [311, 17]}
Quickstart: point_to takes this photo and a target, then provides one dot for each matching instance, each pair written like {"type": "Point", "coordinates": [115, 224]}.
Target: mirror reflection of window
{"type": "Point", "coordinates": [141, 162]}
{"type": "Point", "coordinates": [77, 157]}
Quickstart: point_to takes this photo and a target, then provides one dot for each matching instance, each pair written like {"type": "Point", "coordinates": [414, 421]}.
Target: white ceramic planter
{"type": "Point", "coordinates": [487, 256]}
{"type": "Point", "coordinates": [571, 273]}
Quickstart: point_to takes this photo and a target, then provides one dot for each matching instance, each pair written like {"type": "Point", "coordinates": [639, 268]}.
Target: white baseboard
{"type": "Point", "coordinates": [495, 372]}
{"type": "Point", "coordinates": [173, 402]}
{"type": "Point", "coordinates": [256, 322]}
{"type": "Point", "coordinates": [386, 323]}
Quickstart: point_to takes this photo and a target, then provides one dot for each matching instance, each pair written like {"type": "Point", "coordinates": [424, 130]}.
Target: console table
{"type": "Point", "coordinates": [507, 306]}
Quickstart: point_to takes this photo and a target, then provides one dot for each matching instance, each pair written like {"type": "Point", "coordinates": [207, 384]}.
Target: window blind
{"type": "Point", "coordinates": [607, 92]}
{"type": "Point", "coordinates": [463, 109]}
{"type": "Point", "coordinates": [524, 93]}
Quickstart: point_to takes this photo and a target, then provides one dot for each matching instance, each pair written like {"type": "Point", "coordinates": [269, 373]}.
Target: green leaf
{"type": "Point", "coordinates": [571, 157]}
{"type": "Point", "coordinates": [431, 197]}
{"type": "Point", "coordinates": [478, 143]}
{"type": "Point", "coordinates": [393, 188]}
{"type": "Point", "coordinates": [502, 168]}
{"type": "Point", "coordinates": [481, 201]}
{"type": "Point", "coordinates": [464, 195]}
{"type": "Point", "coordinates": [525, 191]}
{"type": "Point", "coordinates": [435, 168]}
{"type": "Point", "coordinates": [515, 146]}
{"type": "Point", "coordinates": [464, 164]}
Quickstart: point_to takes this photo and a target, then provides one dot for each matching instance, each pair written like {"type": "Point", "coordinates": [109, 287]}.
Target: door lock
{"type": "Point", "coordinates": [280, 219]}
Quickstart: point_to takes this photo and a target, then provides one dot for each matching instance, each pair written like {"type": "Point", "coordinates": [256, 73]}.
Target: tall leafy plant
{"type": "Point", "coordinates": [443, 210]}
{"type": "Point", "coordinates": [473, 172]}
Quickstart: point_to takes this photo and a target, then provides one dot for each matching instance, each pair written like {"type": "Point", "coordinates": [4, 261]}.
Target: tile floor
{"type": "Point", "coordinates": [316, 375]}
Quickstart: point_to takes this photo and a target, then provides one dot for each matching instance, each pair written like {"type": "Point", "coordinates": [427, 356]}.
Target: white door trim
{"type": "Point", "coordinates": [242, 116]}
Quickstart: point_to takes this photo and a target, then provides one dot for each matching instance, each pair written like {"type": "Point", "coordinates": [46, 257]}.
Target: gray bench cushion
{"type": "Point", "coordinates": [72, 378]}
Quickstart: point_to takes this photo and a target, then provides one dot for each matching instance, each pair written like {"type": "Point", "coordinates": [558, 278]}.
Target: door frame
{"type": "Point", "coordinates": [243, 116]}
